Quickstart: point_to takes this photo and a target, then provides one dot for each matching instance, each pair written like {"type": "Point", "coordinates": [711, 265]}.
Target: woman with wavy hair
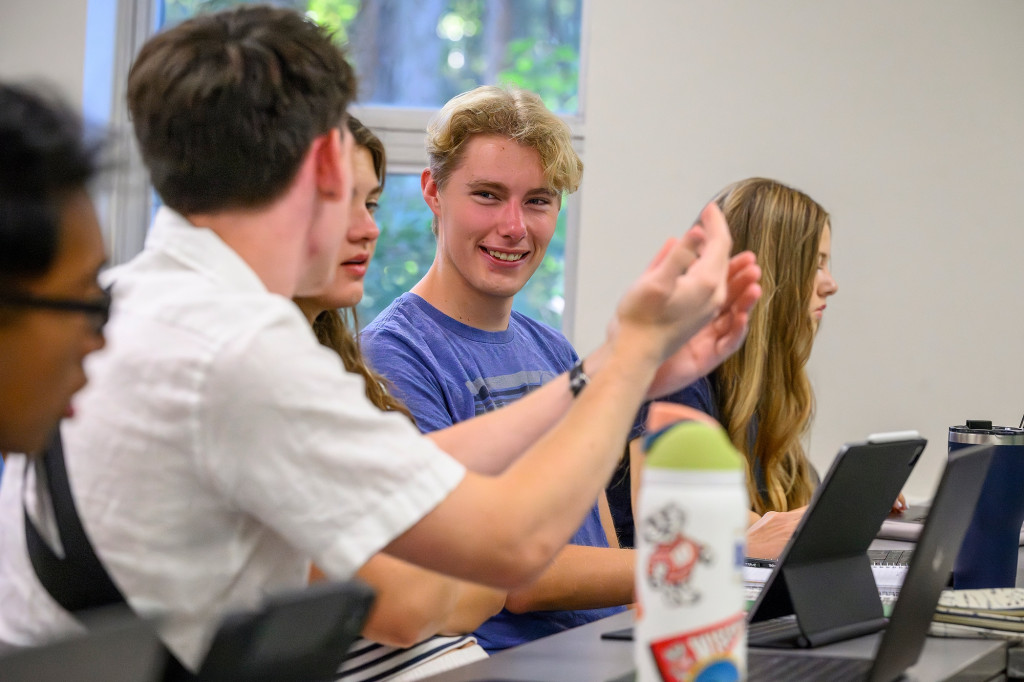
{"type": "Point", "coordinates": [761, 394]}
{"type": "Point", "coordinates": [420, 618]}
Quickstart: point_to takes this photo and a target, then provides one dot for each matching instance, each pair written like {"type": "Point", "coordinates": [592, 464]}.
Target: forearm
{"type": "Point", "coordinates": [520, 424]}
{"type": "Point", "coordinates": [558, 480]}
{"type": "Point", "coordinates": [411, 604]}
{"type": "Point", "coordinates": [526, 515]}
{"type": "Point", "coordinates": [579, 578]}
{"type": "Point", "coordinates": [473, 606]}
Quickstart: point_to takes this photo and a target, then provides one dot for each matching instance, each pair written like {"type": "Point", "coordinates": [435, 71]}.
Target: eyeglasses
{"type": "Point", "coordinates": [98, 310]}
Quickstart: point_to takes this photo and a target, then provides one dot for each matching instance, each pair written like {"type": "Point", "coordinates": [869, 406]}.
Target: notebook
{"type": "Point", "coordinates": [878, 557]}
{"type": "Point", "coordinates": [829, 548]}
{"type": "Point", "coordinates": [927, 575]}
{"type": "Point", "coordinates": [121, 649]}
{"type": "Point", "coordinates": [907, 526]}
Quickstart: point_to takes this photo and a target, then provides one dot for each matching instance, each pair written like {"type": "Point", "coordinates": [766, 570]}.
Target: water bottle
{"type": "Point", "coordinates": [988, 555]}
{"type": "Point", "coordinates": [691, 526]}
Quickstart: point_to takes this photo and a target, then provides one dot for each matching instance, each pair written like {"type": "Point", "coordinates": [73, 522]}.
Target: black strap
{"type": "Point", "coordinates": [78, 582]}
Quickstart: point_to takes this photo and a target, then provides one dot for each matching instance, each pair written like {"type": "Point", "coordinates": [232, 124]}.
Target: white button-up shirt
{"type": "Point", "coordinates": [216, 450]}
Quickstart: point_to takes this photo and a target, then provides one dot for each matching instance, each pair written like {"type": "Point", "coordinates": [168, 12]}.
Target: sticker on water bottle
{"type": "Point", "coordinates": [673, 556]}
{"type": "Point", "coordinates": [704, 655]}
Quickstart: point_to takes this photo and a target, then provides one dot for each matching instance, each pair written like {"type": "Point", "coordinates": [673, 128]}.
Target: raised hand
{"type": "Point", "coordinates": [719, 338]}
{"type": "Point", "coordinates": [683, 290]}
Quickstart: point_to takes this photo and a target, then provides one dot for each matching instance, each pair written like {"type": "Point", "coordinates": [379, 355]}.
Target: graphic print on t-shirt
{"type": "Point", "coordinates": [490, 393]}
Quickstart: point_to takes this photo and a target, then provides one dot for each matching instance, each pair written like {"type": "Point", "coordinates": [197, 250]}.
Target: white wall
{"type": "Point", "coordinates": [904, 119]}
{"type": "Point", "coordinates": [44, 40]}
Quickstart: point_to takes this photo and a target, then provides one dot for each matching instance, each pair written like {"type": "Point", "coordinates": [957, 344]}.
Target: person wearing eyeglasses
{"type": "Point", "coordinates": [52, 310]}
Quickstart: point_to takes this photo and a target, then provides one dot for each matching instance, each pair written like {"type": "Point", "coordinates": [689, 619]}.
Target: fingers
{"type": "Point", "coordinates": [694, 239]}
{"type": "Point", "coordinates": [742, 288]}
{"type": "Point", "coordinates": [674, 259]}
{"type": "Point", "coordinates": [669, 244]}
{"type": "Point", "coordinates": [717, 242]}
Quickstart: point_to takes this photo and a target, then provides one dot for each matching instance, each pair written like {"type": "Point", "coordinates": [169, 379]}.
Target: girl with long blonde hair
{"type": "Point", "coordinates": [761, 394]}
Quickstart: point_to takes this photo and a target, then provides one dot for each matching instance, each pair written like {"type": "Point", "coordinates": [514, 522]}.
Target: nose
{"type": "Point", "coordinates": [94, 339]}
{"type": "Point", "coordinates": [363, 227]}
{"type": "Point", "coordinates": [829, 287]}
{"type": "Point", "coordinates": [513, 224]}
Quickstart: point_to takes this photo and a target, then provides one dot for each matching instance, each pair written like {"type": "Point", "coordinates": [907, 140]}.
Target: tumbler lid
{"type": "Point", "coordinates": [692, 445]}
{"type": "Point", "coordinates": [985, 434]}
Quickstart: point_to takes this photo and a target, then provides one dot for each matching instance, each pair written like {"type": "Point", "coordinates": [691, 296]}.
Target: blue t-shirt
{"type": "Point", "coordinates": [446, 372]}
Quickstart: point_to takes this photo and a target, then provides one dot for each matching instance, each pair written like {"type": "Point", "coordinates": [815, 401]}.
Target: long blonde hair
{"type": "Point", "coordinates": [765, 383]}
{"type": "Point", "coordinates": [335, 328]}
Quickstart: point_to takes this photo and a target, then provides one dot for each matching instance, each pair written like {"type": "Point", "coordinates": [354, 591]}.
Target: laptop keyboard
{"type": "Point", "coordinates": [773, 632]}
{"type": "Point", "coordinates": [770, 666]}
{"type": "Point", "coordinates": [890, 557]}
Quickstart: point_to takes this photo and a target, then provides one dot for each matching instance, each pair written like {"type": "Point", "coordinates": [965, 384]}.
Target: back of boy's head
{"type": "Point", "coordinates": [44, 159]}
{"type": "Point", "coordinates": [226, 105]}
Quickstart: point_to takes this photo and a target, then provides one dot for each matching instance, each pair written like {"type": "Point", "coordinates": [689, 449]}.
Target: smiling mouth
{"type": "Point", "coordinates": [501, 255]}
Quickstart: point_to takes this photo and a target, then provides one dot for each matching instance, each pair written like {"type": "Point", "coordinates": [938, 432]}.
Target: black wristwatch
{"type": "Point", "coordinates": [577, 378]}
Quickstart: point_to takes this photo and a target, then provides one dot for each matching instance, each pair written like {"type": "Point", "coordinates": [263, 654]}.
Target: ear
{"type": "Point", "coordinates": [333, 156]}
{"type": "Point", "coordinates": [431, 192]}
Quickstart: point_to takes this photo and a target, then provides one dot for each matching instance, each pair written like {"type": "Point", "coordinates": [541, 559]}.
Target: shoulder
{"type": "Point", "coordinates": [531, 331]}
{"type": "Point", "coordinates": [409, 319]}
{"type": "Point", "coordinates": [699, 395]}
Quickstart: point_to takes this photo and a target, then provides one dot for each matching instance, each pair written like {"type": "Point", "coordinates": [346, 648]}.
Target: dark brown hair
{"type": "Point", "coordinates": [44, 158]}
{"type": "Point", "coordinates": [226, 105]}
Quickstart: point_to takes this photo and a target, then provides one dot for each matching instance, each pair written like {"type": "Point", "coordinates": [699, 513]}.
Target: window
{"type": "Point", "coordinates": [411, 57]}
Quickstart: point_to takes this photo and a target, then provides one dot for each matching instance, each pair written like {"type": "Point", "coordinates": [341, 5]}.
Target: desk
{"type": "Point", "coordinates": [580, 655]}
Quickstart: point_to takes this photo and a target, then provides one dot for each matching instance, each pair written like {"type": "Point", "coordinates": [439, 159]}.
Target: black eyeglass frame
{"type": "Point", "coordinates": [100, 307]}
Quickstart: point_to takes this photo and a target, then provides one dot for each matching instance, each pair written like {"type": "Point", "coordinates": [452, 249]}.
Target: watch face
{"type": "Point", "coordinates": [577, 379]}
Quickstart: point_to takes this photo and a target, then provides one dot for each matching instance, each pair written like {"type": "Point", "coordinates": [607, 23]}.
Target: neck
{"type": "Point", "coordinates": [459, 301]}
{"type": "Point", "coordinates": [273, 240]}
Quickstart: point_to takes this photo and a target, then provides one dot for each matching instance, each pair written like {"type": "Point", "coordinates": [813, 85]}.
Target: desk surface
{"type": "Point", "coordinates": [580, 655]}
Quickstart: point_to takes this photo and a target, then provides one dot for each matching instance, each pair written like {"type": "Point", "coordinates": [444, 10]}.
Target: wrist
{"type": "Point", "coordinates": [638, 346]}
{"type": "Point", "coordinates": [578, 378]}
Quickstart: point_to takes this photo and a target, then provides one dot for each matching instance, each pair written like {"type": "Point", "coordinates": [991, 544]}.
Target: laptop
{"type": "Point", "coordinates": [121, 648]}
{"type": "Point", "coordinates": [830, 547]}
{"type": "Point", "coordinates": [927, 575]}
{"type": "Point", "coordinates": [298, 635]}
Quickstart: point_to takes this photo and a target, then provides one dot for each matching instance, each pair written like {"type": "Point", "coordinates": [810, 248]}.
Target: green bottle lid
{"type": "Point", "coordinates": [693, 445]}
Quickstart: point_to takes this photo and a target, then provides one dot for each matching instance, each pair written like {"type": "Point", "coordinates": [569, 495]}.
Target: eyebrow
{"type": "Point", "coordinates": [501, 187]}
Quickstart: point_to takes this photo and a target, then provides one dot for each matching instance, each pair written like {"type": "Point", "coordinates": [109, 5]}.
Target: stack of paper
{"type": "Point", "coordinates": [888, 578]}
{"type": "Point", "coordinates": [996, 612]}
